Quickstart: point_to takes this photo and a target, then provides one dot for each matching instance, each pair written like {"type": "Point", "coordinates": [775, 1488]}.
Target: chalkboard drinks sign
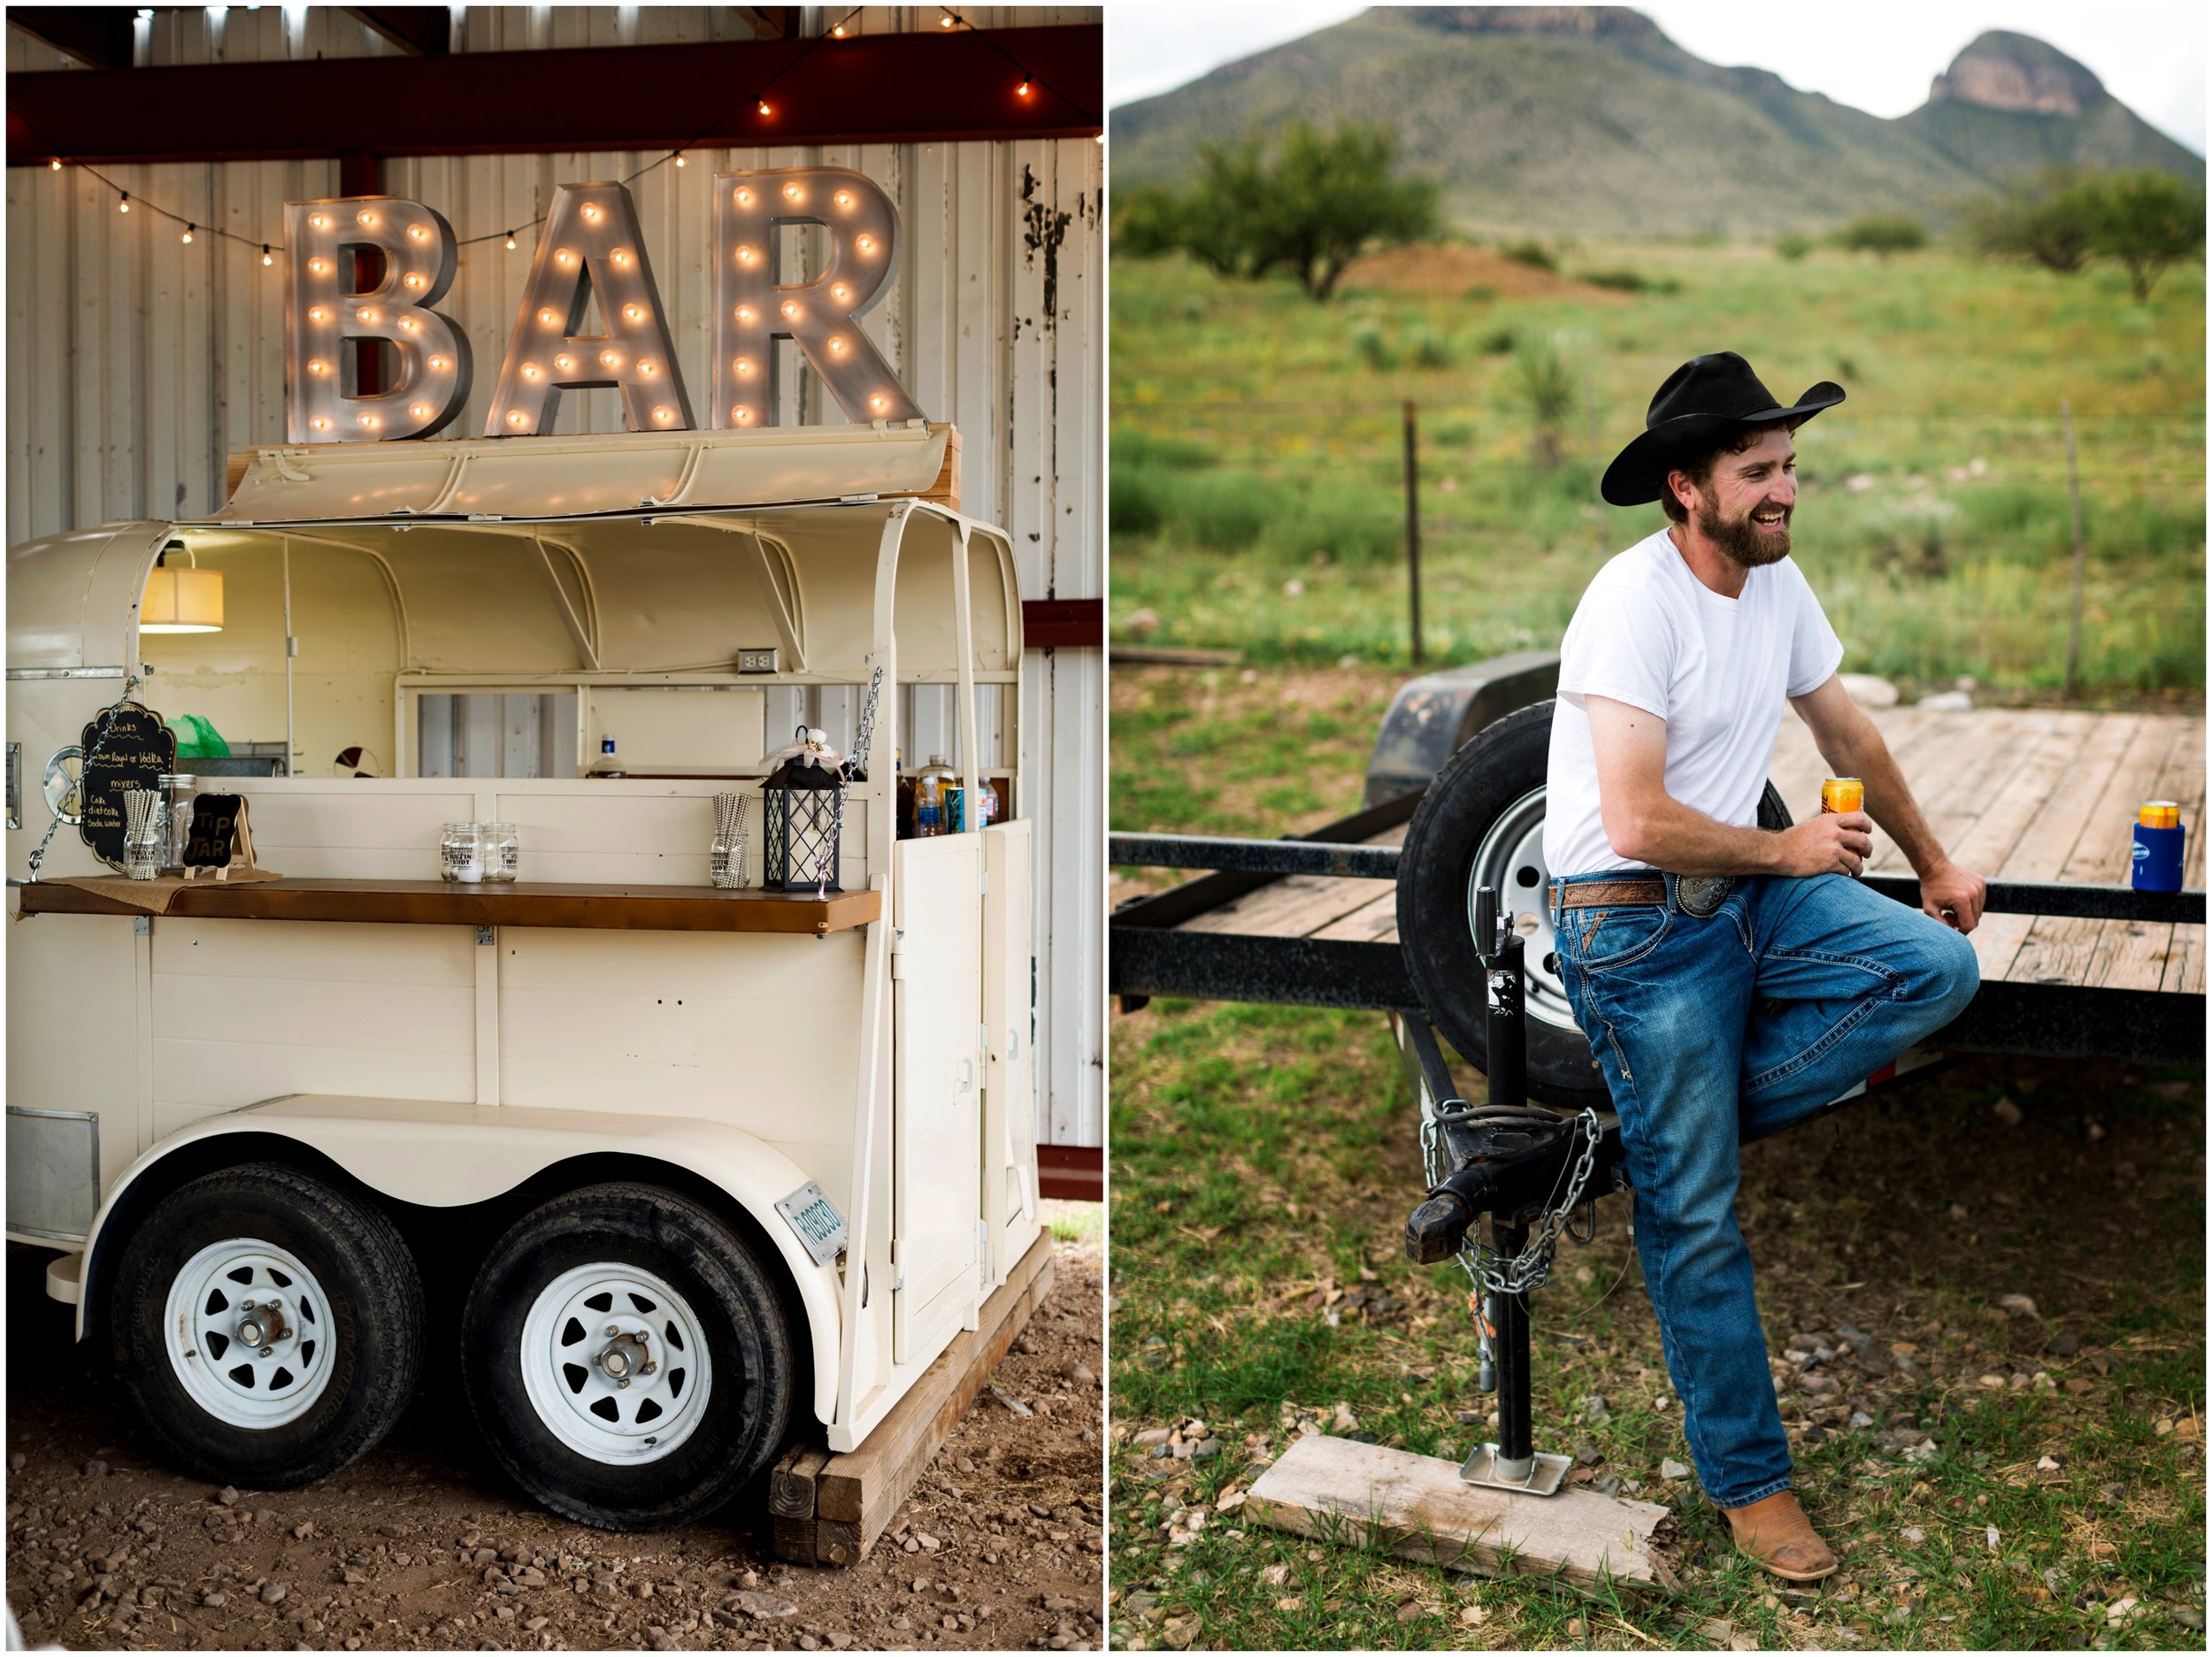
{"type": "Point", "coordinates": [126, 747]}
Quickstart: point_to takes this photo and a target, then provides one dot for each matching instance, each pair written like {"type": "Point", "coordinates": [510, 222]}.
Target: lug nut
{"type": "Point", "coordinates": [268, 1352]}
{"type": "Point", "coordinates": [652, 1367]}
{"type": "Point", "coordinates": [614, 1329]}
{"type": "Point", "coordinates": [622, 1384]}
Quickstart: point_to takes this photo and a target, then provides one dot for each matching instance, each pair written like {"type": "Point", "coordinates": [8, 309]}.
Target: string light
{"type": "Point", "coordinates": [946, 19]}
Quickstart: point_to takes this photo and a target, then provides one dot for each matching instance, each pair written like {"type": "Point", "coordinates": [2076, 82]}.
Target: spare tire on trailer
{"type": "Point", "coordinates": [1481, 823]}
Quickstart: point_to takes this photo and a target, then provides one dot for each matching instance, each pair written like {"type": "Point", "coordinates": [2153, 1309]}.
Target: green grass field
{"type": "Point", "coordinates": [1257, 458]}
{"type": "Point", "coordinates": [1263, 1160]}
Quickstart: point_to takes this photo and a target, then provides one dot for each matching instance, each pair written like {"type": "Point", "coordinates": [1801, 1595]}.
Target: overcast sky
{"type": "Point", "coordinates": [1878, 55]}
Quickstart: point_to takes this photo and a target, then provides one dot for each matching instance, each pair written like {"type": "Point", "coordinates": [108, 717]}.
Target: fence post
{"type": "Point", "coordinates": [1413, 524]}
{"type": "Point", "coordinates": [2073, 491]}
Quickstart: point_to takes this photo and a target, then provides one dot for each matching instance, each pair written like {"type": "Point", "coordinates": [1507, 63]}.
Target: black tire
{"type": "Point", "coordinates": [1495, 778]}
{"type": "Point", "coordinates": [733, 1424]}
{"type": "Point", "coordinates": [363, 1343]}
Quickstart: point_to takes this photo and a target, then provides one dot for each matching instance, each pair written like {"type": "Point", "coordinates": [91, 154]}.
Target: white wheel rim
{"type": "Point", "coordinates": [1510, 861]}
{"type": "Point", "coordinates": [235, 1290]}
{"type": "Point", "coordinates": [592, 1328]}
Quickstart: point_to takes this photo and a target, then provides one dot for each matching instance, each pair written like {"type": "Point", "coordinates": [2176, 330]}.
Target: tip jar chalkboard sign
{"type": "Point", "coordinates": [126, 746]}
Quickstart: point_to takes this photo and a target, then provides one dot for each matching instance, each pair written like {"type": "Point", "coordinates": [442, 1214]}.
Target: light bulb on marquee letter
{"type": "Point", "coordinates": [752, 311]}
{"type": "Point", "coordinates": [590, 248]}
{"type": "Point", "coordinates": [322, 312]}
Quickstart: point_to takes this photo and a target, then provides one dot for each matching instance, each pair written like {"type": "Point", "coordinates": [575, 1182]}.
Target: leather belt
{"type": "Point", "coordinates": [1589, 895]}
{"type": "Point", "coordinates": [1700, 895]}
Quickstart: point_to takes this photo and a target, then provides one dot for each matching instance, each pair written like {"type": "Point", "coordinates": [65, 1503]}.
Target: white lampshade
{"type": "Point", "coordinates": [182, 601]}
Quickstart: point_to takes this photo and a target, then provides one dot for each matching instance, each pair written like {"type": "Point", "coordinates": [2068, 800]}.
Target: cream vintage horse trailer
{"type": "Point", "coordinates": [278, 1127]}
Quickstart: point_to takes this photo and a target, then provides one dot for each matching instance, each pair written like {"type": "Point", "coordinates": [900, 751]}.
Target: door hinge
{"type": "Point", "coordinates": [143, 926]}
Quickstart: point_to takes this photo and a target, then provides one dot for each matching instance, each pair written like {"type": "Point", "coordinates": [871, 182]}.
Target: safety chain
{"type": "Point", "coordinates": [1531, 1267]}
{"type": "Point", "coordinates": [105, 721]}
{"type": "Point", "coordinates": [1490, 1272]}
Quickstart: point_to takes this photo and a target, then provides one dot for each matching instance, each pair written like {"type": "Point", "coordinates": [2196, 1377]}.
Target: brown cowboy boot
{"type": "Point", "coordinates": [1776, 1533]}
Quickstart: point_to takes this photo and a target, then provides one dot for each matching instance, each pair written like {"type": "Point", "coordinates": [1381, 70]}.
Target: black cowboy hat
{"type": "Point", "coordinates": [1701, 405]}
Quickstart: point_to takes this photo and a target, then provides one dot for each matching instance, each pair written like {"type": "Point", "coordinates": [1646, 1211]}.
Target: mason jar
{"type": "Point", "coordinates": [460, 859]}
{"type": "Point", "coordinates": [501, 851]}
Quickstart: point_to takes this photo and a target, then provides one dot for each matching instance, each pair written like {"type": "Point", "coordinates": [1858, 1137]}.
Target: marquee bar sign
{"type": "Point", "coordinates": [591, 249]}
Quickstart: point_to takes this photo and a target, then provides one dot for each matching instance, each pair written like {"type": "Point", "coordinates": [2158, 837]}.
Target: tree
{"type": "Point", "coordinates": [2147, 220]}
{"type": "Point", "coordinates": [1883, 234]}
{"type": "Point", "coordinates": [2049, 221]}
{"type": "Point", "coordinates": [1309, 210]}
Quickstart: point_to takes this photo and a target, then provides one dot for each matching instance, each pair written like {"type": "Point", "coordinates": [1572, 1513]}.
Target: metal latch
{"type": "Point", "coordinates": [484, 935]}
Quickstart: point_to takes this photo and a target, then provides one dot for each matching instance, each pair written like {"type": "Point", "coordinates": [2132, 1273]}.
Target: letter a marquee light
{"type": "Point", "coordinates": [591, 250]}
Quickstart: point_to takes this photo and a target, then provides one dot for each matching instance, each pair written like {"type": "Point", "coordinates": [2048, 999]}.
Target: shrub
{"type": "Point", "coordinates": [1626, 282]}
{"type": "Point", "coordinates": [1428, 348]}
{"type": "Point", "coordinates": [1499, 341]}
{"type": "Point", "coordinates": [1371, 349]}
{"type": "Point", "coordinates": [1793, 247]}
{"type": "Point", "coordinates": [1134, 506]}
{"type": "Point", "coordinates": [1543, 381]}
{"type": "Point", "coordinates": [1220, 511]}
{"type": "Point", "coordinates": [1151, 452]}
{"type": "Point", "coordinates": [1883, 234]}
{"type": "Point", "coordinates": [1533, 254]}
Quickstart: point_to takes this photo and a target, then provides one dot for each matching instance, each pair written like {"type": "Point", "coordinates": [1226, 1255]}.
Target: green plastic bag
{"type": "Point", "coordinates": [196, 739]}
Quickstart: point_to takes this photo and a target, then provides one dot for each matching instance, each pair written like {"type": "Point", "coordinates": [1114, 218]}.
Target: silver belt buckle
{"type": "Point", "coordinates": [1702, 895]}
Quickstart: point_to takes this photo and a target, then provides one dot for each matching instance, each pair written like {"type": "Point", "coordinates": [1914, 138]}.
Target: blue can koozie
{"type": "Point", "coordinates": [2158, 858]}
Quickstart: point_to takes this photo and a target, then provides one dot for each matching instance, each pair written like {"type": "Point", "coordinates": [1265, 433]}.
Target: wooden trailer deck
{"type": "Point", "coordinates": [2041, 794]}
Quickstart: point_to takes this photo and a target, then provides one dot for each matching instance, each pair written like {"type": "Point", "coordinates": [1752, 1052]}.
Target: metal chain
{"type": "Point", "coordinates": [865, 733]}
{"type": "Point", "coordinates": [105, 723]}
{"type": "Point", "coordinates": [1531, 1269]}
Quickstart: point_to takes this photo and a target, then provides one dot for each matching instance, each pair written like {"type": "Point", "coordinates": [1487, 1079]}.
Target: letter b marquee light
{"type": "Point", "coordinates": [752, 311]}
{"type": "Point", "coordinates": [590, 248]}
{"type": "Point", "coordinates": [322, 312]}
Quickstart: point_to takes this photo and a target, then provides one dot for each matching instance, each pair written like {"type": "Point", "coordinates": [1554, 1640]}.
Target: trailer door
{"type": "Point", "coordinates": [937, 1084]}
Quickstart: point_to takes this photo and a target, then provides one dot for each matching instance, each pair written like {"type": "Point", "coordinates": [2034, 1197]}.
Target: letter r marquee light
{"type": "Point", "coordinates": [752, 311]}
{"type": "Point", "coordinates": [322, 311]}
{"type": "Point", "coordinates": [590, 248]}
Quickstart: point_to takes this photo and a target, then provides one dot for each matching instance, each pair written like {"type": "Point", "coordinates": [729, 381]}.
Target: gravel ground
{"type": "Point", "coordinates": [421, 1545]}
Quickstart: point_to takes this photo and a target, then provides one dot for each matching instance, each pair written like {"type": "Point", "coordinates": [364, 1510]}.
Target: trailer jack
{"type": "Point", "coordinates": [1527, 1168]}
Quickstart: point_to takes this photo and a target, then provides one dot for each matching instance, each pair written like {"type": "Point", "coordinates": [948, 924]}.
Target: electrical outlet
{"type": "Point", "coordinates": [756, 661]}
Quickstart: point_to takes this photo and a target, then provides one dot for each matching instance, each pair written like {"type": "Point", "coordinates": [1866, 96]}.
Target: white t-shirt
{"type": "Point", "coordinates": [1717, 670]}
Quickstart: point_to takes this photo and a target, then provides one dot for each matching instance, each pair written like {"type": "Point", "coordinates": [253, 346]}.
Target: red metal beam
{"type": "Point", "coordinates": [875, 88]}
{"type": "Point", "coordinates": [1074, 1173]}
{"type": "Point", "coordinates": [1063, 624]}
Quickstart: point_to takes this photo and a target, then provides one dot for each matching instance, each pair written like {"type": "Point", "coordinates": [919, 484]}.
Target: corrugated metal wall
{"type": "Point", "coordinates": [136, 363]}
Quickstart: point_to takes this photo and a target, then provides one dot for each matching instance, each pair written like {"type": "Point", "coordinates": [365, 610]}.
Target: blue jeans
{"type": "Point", "coordinates": [1717, 1031]}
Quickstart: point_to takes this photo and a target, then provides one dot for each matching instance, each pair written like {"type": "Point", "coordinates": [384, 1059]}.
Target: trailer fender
{"type": "Point", "coordinates": [1433, 717]}
{"type": "Point", "coordinates": [444, 1156]}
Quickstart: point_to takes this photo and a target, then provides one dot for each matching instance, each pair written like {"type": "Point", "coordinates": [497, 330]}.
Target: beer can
{"type": "Point", "coordinates": [957, 808]}
{"type": "Point", "coordinates": [1842, 794]}
{"type": "Point", "coordinates": [2159, 814]}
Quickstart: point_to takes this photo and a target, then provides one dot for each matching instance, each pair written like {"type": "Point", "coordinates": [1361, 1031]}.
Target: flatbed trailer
{"type": "Point", "coordinates": [1408, 905]}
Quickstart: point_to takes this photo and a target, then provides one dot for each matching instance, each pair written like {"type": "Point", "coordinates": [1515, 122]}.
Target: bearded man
{"type": "Point", "coordinates": [1731, 981]}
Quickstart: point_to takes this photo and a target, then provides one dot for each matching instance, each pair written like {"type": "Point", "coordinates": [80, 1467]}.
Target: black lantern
{"type": "Point", "coordinates": [802, 810]}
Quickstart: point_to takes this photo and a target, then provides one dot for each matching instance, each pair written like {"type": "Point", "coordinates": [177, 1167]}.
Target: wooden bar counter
{"type": "Point", "coordinates": [523, 903]}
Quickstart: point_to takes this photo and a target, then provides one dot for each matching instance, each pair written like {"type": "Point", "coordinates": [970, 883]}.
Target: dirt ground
{"type": "Point", "coordinates": [999, 1548]}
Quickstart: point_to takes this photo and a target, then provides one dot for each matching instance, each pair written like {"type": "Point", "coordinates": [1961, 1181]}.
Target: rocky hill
{"type": "Point", "coordinates": [1590, 121]}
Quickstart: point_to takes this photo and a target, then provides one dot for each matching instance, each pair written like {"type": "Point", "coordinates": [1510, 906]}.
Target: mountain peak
{"type": "Point", "coordinates": [1617, 24]}
{"type": "Point", "coordinates": [2000, 70]}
